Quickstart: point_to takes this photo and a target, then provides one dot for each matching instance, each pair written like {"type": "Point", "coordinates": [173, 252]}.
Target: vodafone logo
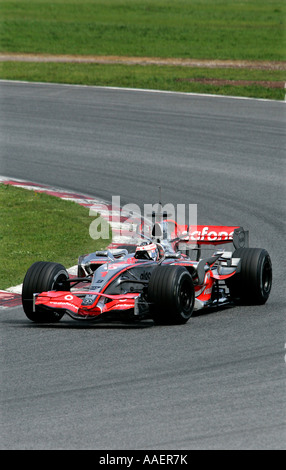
{"type": "Point", "coordinates": [68, 297]}
{"type": "Point", "coordinates": [210, 235]}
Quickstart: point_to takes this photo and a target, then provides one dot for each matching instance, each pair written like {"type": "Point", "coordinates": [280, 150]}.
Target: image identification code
{"type": "Point", "coordinates": [151, 459]}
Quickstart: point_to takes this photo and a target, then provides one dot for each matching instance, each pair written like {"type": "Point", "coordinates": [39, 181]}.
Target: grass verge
{"type": "Point", "coordinates": [268, 84]}
{"type": "Point", "coordinates": [39, 227]}
{"type": "Point", "coordinates": [252, 30]}
{"type": "Point", "coordinates": [210, 29]}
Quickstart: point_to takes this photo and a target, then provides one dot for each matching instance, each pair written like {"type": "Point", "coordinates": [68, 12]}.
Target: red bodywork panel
{"type": "Point", "coordinates": [70, 301]}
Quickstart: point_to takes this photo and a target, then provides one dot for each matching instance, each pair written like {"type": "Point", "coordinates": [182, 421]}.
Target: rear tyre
{"type": "Point", "coordinates": [41, 277]}
{"type": "Point", "coordinates": [252, 285]}
{"type": "Point", "coordinates": [171, 292]}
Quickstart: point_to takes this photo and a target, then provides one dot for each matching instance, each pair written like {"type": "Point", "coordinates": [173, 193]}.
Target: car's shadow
{"type": "Point", "coordinates": [82, 325]}
{"type": "Point", "coordinates": [67, 323]}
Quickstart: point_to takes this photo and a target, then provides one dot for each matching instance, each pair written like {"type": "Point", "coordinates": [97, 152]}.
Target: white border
{"type": "Point", "coordinates": [144, 90]}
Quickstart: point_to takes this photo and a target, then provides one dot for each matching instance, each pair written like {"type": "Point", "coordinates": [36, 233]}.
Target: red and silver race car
{"type": "Point", "coordinates": [155, 278]}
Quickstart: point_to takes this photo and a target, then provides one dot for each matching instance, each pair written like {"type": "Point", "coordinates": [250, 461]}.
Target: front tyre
{"type": "Point", "coordinates": [42, 277]}
{"type": "Point", "coordinates": [171, 293]}
{"type": "Point", "coordinates": [252, 285]}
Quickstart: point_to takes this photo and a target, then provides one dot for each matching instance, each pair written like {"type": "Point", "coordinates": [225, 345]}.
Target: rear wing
{"type": "Point", "coordinates": [218, 234]}
{"type": "Point", "coordinates": [211, 234]}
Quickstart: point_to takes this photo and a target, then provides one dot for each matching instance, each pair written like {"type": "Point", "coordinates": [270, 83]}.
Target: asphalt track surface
{"type": "Point", "coordinates": [217, 382]}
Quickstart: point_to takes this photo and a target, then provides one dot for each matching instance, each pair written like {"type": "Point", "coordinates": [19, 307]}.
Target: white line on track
{"type": "Point", "coordinates": [144, 90]}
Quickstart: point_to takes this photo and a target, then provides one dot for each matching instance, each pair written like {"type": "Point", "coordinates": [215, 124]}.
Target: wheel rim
{"type": "Point", "coordinates": [266, 277]}
{"type": "Point", "coordinates": [59, 281]}
{"type": "Point", "coordinates": [185, 296]}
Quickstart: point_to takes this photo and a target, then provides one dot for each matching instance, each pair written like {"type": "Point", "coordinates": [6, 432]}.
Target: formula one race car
{"type": "Point", "coordinates": [154, 278]}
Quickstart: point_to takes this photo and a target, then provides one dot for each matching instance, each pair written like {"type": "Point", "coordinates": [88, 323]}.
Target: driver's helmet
{"type": "Point", "coordinates": [147, 251]}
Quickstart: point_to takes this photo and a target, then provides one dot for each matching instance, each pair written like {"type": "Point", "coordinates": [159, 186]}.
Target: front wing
{"type": "Point", "coordinates": [72, 303]}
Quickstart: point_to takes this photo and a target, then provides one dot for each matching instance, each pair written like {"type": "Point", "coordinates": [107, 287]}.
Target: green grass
{"type": "Point", "coordinates": [38, 227]}
{"type": "Point", "coordinates": [210, 29]}
{"type": "Point", "coordinates": [149, 77]}
{"type": "Point", "coordinates": [200, 29]}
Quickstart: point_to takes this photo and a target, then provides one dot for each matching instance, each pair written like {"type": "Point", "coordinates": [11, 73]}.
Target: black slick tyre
{"type": "Point", "coordinates": [41, 277]}
{"type": "Point", "coordinates": [171, 293]}
{"type": "Point", "coordinates": [252, 285]}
